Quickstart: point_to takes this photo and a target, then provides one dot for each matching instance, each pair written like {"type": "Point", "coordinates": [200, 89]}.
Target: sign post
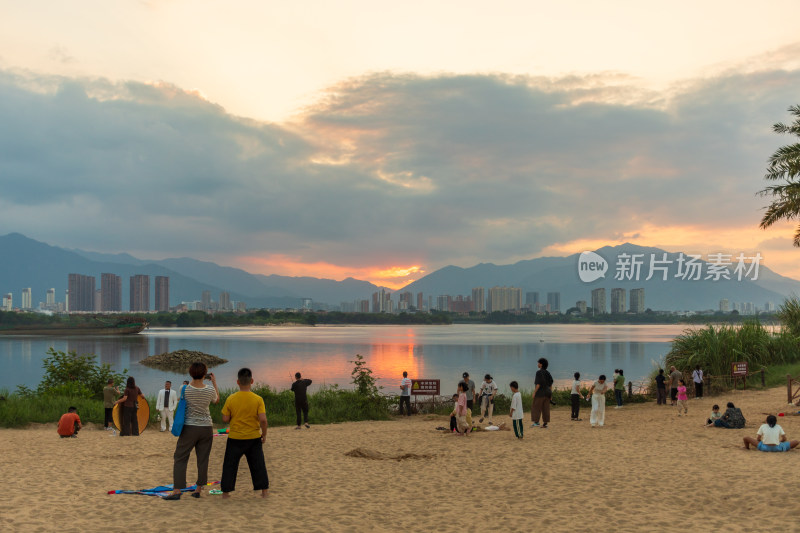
{"type": "Point", "coordinates": [425, 387]}
{"type": "Point", "coordinates": [739, 370]}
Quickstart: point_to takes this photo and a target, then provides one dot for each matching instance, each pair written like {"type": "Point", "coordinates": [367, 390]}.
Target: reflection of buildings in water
{"type": "Point", "coordinates": [110, 351]}
{"type": "Point", "coordinates": [82, 346]}
{"type": "Point", "coordinates": [160, 345]}
{"type": "Point", "coordinates": [598, 351]}
{"type": "Point", "coordinates": [636, 350]}
{"type": "Point", "coordinates": [138, 350]}
{"type": "Point", "coordinates": [504, 352]}
{"type": "Point", "coordinates": [26, 348]}
{"type": "Point", "coordinates": [617, 351]}
{"type": "Point", "coordinates": [552, 349]}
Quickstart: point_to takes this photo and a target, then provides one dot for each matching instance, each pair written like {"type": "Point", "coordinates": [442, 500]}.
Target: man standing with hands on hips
{"type": "Point", "coordinates": [166, 404]}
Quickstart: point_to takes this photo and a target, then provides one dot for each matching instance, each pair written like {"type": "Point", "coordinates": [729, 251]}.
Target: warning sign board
{"type": "Point", "coordinates": [739, 369]}
{"type": "Point", "coordinates": [425, 387]}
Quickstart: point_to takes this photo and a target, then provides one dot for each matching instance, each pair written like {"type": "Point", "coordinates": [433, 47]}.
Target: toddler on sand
{"type": "Point", "coordinates": [683, 400]}
{"type": "Point", "coordinates": [715, 415]}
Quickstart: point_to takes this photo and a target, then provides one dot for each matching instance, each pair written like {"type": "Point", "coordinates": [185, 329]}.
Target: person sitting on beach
{"type": "Point", "coordinates": [732, 419]}
{"type": "Point", "coordinates": [715, 415]}
{"type": "Point", "coordinates": [771, 438]}
{"type": "Point", "coordinates": [69, 424]}
{"type": "Point", "coordinates": [487, 392]}
{"type": "Point", "coordinates": [248, 417]}
{"type": "Point", "coordinates": [453, 419]}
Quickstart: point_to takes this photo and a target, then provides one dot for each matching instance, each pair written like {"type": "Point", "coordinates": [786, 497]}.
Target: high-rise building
{"type": "Point", "coordinates": [140, 293]}
{"type": "Point", "coordinates": [110, 292]}
{"type": "Point", "coordinates": [617, 300]}
{"type": "Point", "coordinates": [581, 305]}
{"type": "Point", "coordinates": [599, 301]}
{"type": "Point", "coordinates": [98, 299]}
{"type": "Point", "coordinates": [554, 302]}
{"type": "Point", "coordinates": [26, 298]}
{"type": "Point", "coordinates": [81, 292]}
{"type": "Point", "coordinates": [637, 301]}
{"type": "Point", "coordinates": [724, 305]}
{"type": "Point", "coordinates": [162, 294]}
{"type": "Point", "coordinates": [478, 300]}
{"type": "Point", "coordinates": [225, 302]}
{"type": "Point", "coordinates": [504, 299]}
{"type": "Point", "coordinates": [205, 301]}
{"type": "Point", "coordinates": [8, 302]}
{"type": "Point", "coordinates": [51, 297]}
{"type": "Point", "coordinates": [769, 307]}
{"type": "Point", "coordinates": [382, 302]}
{"type": "Point", "coordinates": [532, 299]}
{"type": "Point", "coordinates": [420, 301]}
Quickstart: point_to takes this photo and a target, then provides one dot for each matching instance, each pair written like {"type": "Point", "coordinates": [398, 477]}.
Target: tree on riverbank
{"type": "Point", "coordinates": [784, 166]}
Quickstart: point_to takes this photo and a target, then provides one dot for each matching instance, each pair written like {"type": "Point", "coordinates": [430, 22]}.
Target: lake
{"type": "Point", "coordinates": [323, 353]}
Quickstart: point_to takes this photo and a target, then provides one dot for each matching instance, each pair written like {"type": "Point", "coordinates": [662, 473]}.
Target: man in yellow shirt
{"type": "Point", "coordinates": [248, 432]}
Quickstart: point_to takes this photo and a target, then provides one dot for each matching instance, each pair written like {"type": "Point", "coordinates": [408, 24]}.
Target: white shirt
{"type": "Point", "coordinates": [697, 376]}
{"type": "Point", "coordinates": [406, 384]}
{"type": "Point", "coordinates": [172, 403]}
{"type": "Point", "coordinates": [516, 405]}
{"type": "Point", "coordinates": [771, 436]}
{"type": "Point", "coordinates": [488, 389]}
{"type": "Point", "coordinates": [576, 387]}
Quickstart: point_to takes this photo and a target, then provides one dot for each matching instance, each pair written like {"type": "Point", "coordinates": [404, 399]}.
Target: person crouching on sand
{"type": "Point", "coordinates": [771, 438]}
{"type": "Point", "coordinates": [69, 424]}
{"type": "Point", "coordinates": [598, 394]}
{"type": "Point", "coordinates": [248, 432]}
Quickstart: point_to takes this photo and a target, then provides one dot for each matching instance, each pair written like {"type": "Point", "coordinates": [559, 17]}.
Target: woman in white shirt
{"type": "Point", "coordinates": [771, 438]}
{"type": "Point", "coordinates": [598, 394]}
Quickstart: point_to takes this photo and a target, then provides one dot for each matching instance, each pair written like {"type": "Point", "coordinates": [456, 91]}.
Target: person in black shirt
{"type": "Point", "coordinates": [300, 398]}
{"type": "Point", "coordinates": [661, 388]}
{"type": "Point", "coordinates": [542, 394]}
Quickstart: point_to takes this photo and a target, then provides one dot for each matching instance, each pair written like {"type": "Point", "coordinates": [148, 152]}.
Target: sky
{"type": "Point", "coordinates": [382, 141]}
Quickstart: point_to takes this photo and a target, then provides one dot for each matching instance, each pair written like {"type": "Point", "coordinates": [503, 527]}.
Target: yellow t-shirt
{"type": "Point", "coordinates": [244, 407]}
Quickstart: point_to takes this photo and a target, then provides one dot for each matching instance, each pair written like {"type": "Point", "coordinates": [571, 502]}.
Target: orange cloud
{"type": "Point", "coordinates": [393, 277]}
{"type": "Point", "coordinates": [774, 244]}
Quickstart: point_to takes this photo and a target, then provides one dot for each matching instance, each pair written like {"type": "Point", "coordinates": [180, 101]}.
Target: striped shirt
{"type": "Point", "coordinates": [197, 400]}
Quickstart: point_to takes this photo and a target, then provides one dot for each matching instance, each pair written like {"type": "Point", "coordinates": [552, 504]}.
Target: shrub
{"type": "Point", "coordinates": [76, 374]}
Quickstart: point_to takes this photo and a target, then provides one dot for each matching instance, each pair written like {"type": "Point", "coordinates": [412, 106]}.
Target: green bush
{"type": "Point", "coordinates": [72, 374]}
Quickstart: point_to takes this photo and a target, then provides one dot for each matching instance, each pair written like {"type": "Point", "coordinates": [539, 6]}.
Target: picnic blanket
{"type": "Point", "coordinates": [160, 491]}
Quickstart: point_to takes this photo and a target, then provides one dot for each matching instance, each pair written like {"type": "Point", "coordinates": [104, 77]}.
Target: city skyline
{"type": "Point", "coordinates": [333, 144]}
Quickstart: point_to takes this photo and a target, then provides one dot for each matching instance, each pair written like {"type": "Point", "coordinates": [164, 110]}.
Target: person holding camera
{"type": "Point", "coordinates": [198, 431]}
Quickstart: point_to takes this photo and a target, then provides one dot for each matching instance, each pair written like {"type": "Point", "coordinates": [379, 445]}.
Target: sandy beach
{"type": "Point", "coordinates": [646, 470]}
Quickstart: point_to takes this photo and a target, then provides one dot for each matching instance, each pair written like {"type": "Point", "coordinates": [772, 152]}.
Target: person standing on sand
{"type": "Point", "coordinates": [110, 393]}
{"type": "Point", "coordinates": [598, 394]}
{"type": "Point", "coordinates": [248, 432]}
{"type": "Point", "coordinates": [516, 414]}
{"type": "Point", "coordinates": [129, 401]}
{"type": "Point", "coordinates": [542, 393]}
{"type": "Point", "coordinates": [697, 377]}
{"type": "Point", "coordinates": [619, 387]}
{"type": "Point", "coordinates": [575, 397]}
{"type": "Point", "coordinates": [300, 398]}
{"type": "Point", "coordinates": [461, 409]}
{"type": "Point", "coordinates": [674, 377]}
{"type": "Point", "coordinates": [661, 388]}
{"type": "Point", "coordinates": [197, 433]}
{"type": "Point", "coordinates": [470, 391]}
{"type": "Point", "coordinates": [405, 394]}
{"type": "Point", "coordinates": [683, 399]}
{"type": "Point", "coordinates": [166, 403]}
{"type": "Point", "coordinates": [487, 393]}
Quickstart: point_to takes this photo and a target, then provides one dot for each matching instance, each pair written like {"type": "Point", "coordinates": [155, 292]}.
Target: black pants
{"type": "Point", "coordinates": [576, 405]}
{"type": "Point", "coordinates": [405, 400]}
{"type": "Point", "coordinates": [130, 422]}
{"type": "Point", "coordinates": [673, 395]}
{"type": "Point", "coordinates": [301, 408]}
{"type": "Point", "coordinates": [109, 417]}
{"type": "Point", "coordinates": [618, 396]}
{"type": "Point", "coordinates": [76, 428]}
{"type": "Point", "coordinates": [254, 453]}
{"type": "Point", "coordinates": [453, 424]}
{"type": "Point", "coordinates": [698, 390]}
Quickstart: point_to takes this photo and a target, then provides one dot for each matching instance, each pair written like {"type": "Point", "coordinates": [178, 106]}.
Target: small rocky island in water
{"type": "Point", "coordinates": [179, 360]}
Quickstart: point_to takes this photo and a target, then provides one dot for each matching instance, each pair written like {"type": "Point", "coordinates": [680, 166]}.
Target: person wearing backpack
{"type": "Point", "coordinates": [542, 393]}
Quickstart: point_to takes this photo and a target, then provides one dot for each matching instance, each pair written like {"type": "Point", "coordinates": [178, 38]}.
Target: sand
{"type": "Point", "coordinates": [646, 470]}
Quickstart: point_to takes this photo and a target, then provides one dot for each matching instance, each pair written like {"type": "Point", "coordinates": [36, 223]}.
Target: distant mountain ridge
{"type": "Point", "coordinates": [30, 263]}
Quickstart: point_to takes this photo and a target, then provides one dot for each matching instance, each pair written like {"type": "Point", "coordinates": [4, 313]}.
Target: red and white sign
{"type": "Point", "coordinates": [739, 369]}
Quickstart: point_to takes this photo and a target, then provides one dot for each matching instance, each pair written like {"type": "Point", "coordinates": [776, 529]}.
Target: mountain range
{"type": "Point", "coordinates": [30, 263]}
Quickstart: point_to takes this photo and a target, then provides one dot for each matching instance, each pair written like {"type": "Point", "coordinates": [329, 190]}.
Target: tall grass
{"type": "Point", "coordinates": [714, 348]}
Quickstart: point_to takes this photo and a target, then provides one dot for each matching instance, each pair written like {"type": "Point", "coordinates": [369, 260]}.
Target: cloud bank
{"type": "Point", "coordinates": [386, 170]}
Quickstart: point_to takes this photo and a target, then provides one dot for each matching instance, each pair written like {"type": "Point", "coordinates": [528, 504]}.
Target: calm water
{"type": "Point", "coordinates": [323, 353]}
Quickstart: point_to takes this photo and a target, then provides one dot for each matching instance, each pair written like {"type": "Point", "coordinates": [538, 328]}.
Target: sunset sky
{"type": "Point", "coordinates": [386, 140]}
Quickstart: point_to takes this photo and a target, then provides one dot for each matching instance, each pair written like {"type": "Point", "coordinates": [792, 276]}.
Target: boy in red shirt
{"type": "Point", "coordinates": [69, 424]}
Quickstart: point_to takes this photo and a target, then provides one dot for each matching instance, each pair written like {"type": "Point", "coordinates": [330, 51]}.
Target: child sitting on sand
{"type": "Point", "coordinates": [715, 415]}
{"type": "Point", "coordinates": [683, 399]}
